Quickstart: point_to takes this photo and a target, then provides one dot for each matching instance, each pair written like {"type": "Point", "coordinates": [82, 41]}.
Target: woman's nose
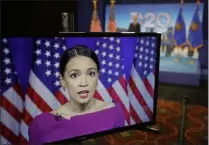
{"type": "Point", "coordinates": [83, 81]}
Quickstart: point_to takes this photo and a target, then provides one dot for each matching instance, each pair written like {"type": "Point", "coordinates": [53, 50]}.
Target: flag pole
{"type": "Point", "coordinates": [112, 8]}
{"type": "Point", "coordinates": [182, 2]}
{"type": "Point", "coordinates": [198, 2]}
{"type": "Point", "coordinates": [94, 4]}
{"type": "Point", "coordinates": [95, 10]}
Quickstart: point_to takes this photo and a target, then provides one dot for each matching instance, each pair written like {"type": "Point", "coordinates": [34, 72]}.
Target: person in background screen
{"type": "Point", "coordinates": [83, 114]}
{"type": "Point", "coordinates": [135, 26]}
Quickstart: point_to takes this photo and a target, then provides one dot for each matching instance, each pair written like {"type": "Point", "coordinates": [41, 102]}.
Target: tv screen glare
{"type": "Point", "coordinates": [104, 83]}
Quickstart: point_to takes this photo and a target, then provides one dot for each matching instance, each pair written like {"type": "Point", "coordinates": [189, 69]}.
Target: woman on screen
{"type": "Point", "coordinates": [83, 114]}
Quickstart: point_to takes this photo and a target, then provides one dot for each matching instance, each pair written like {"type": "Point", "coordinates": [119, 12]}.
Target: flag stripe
{"type": "Point", "coordinates": [149, 87]}
{"type": "Point", "coordinates": [95, 26]}
{"type": "Point", "coordinates": [151, 80]}
{"type": "Point", "coordinates": [112, 26]}
{"type": "Point", "coordinates": [117, 98]}
{"type": "Point", "coordinates": [43, 91]}
{"type": "Point", "coordinates": [60, 97]}
{"type": "Point", "coordinates": [13, 97]}
{"type": "Point", "coordinates": [137, 106]}
{"type": "Point", "coordinates": [3, 140]}
{"type": "Point", "coordinates": [13, 111]}
{"type": "Point", "coordinates": [121, 94]}
{"type": "Point", "coordinates": [27, 117]}
{"type": "Point", "coordinates": [23, 141]}
{"type": "Point", "coordinates": [32, 108]}
{"type": "Point", "coordinates": [123, 83]}
{"type": "Point", "coordinates": [135, 116]}
{"type": "Point", "coordinates": [38, 100]}
{"type": "Point", "coordinates": [141, 88]}
{"type": "Point", "coordinates": [126, 123]}
{"type": "Point", "coordinates": [9, 122]}
{"type": "Point", "coordinates": [18, 90]}
{"type": "Point", "coordinates": [8, 134]}
{"type": "Point", "coordinates": [98, 96]}
{"type": "Point", "coordinates": [103, 92]}
{"type": "Point", "coordinates": [132, 121]}
{"type": "Point", "coordinates": [140, 98]}
{"type": "Point", "coordinates": [24, 131]}
{"type": "Point", "coordinates": [65, 93]}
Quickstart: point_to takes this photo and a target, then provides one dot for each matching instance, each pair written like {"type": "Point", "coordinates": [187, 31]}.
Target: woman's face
{"type": "Point", "coordinates": [80, 78]}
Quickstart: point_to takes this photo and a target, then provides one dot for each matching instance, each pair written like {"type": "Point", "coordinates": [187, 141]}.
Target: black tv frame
{"type": "Point", "coordinates": [141, 126]}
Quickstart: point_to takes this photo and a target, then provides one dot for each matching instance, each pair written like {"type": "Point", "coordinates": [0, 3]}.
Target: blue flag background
{"type": "Point", "coordinates": [180, 30]}
{"type": "Point", "coordinates": [195, 31]}
{"type": "Point", "coordinates": [22, 54]}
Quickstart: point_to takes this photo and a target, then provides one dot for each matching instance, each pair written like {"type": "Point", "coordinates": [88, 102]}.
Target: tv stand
{"type": "Point", "coordinates": [151, 129]}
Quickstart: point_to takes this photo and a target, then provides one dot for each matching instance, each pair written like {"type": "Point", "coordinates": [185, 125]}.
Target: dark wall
{"type": "Point", "coordinates": [34, 18]}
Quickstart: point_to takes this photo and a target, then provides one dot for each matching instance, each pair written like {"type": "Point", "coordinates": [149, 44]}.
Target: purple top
{"type": "Point", "coordinates": [46, 128]}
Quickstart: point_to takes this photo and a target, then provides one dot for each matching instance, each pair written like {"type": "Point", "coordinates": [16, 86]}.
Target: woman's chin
{"type": "Point", "coordinates": [83, 100]}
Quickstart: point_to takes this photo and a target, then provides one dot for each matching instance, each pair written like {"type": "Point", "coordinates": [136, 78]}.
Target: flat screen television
{"type": "Point", "coordinates": [127, 80]}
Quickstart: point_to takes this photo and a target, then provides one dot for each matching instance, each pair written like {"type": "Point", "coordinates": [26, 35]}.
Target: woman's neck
{"type": "Point", "coordinates": [81, 108]}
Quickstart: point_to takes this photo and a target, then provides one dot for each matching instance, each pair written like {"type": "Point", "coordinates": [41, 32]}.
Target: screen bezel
{"type": "Point", "coordinates": [139, 126]}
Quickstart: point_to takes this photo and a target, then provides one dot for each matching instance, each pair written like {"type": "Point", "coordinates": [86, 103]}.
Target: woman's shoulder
{"type": "Point", "coordinates": [118, 106]}
{"type": "Point", "coordinates": [114, 105]}
{"type": "Point", "coordinates": [41, 117]}
{"type": "Point", "coordinates": [38, 121]}
{"type": "Point", "coordinates": [109, 105]}
{"type": "Point", "coordinates": [118, 109]}
{"type": "Point", "coordinates": [115, 111]}
{"type": "Point", "coordinates": [101, 105]}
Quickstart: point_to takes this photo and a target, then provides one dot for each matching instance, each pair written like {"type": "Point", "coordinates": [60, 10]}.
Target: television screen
{"type": "Point", "coordinates": [84, 84]}
{"type": "Point", "coordinates": [176, 56]}
{"type": "Point", "coordinates": [158, 17]}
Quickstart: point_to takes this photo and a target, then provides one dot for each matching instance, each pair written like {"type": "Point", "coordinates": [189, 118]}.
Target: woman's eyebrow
{"type": "Point", "coordinates": [73, 70]}
{"type": "Point", "coordinates": [77, 70]}
{"type": "Point", "coordinates": [92, 68]}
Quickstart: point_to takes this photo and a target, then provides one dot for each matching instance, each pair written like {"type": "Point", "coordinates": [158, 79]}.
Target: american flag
{"type": "Point", "coordinates": [11, 98]}
{"type": "Point", "coordinates": [142, 80]}
{"type": "Point", "coordinates": [95, 23]}
{"type": "Point", "coordinates": [112, 82]}
{"type": "Point", "coordinates": [112, 26]}
{"type": "Point", "coordinates": [44, 92]}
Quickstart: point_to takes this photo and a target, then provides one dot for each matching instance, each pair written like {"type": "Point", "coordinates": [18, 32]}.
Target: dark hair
{"type": "Point", "coordinates": [81, 50]}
